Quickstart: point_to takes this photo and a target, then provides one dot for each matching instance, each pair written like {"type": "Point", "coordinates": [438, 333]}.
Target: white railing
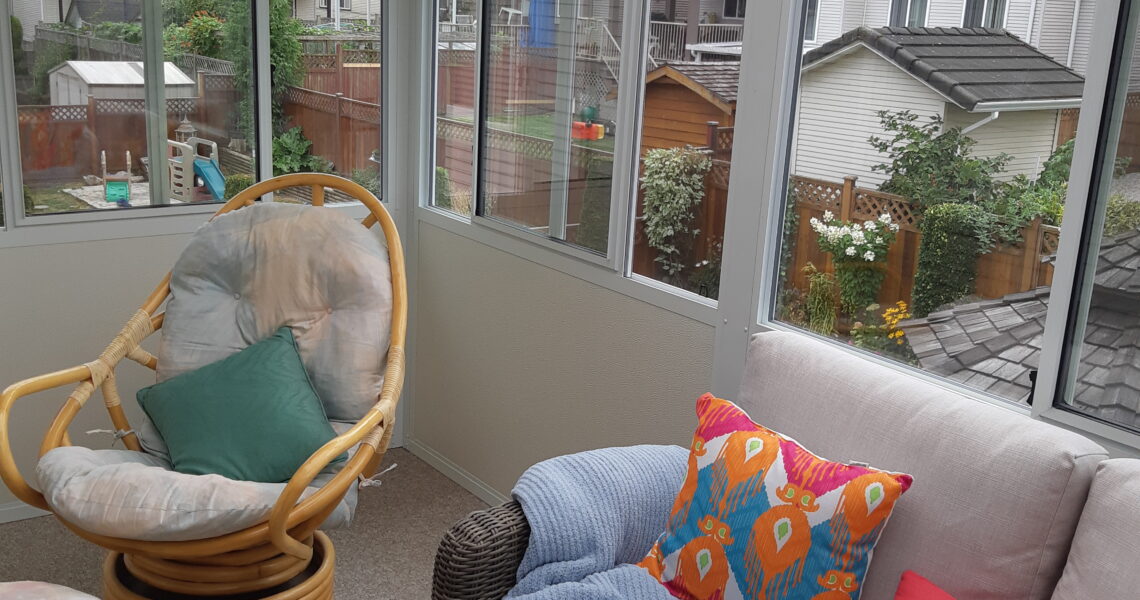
{"type": "Point", "coordinates": [666, 41]}
{"type": "Point", "coordinates": [711, 33]}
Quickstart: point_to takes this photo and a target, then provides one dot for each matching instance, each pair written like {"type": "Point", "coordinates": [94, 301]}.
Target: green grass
{"type": "Point", "coordinates": [542, 126]}
{"type": "Point", "coordinates": [50, 199]}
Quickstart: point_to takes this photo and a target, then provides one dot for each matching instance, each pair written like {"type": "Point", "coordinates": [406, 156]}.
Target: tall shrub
{"type": "Point", "coordinates": [953, 236]}
{"type": "Point", "coordinates": [674, 185]}
{"type": "Point", "coordinates": [932, 165]}
{"type": "Point", "coordinates": [285, 56]}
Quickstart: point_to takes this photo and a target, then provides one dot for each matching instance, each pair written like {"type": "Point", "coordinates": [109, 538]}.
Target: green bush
{"type": "Point", "coordinates": [822, 301]}
{"type": "Point", "coordinates": [203, 35]}
{"type": "Point", "coordinates": [674, 185]}
{"type": "Point", "coordinates": [931, 165]}
{"type": "Point", "coordinates": [18, 44]}
{"type": "Point", "coordinates": [175, 40]}
{"type": "Point", "coordinates": [1121, 216]}
{"type": "Point", "coordinates": [49, 55]}
{"type": "Point", "coordinates": [291, 154]}
{"type": "Point", "coordinates": [236, 183]}
{"type": "Point", "coordinates": [368, 178]}
{"type": "Point", "coordinates": [177, 12]}
{"type": "Point", "coordinates": [285, 55]}
{"type": "Point", "coordinates": [442, 188]}
{"type": "Point", "coordinates": [706, 277]}
{"type": "Point", "coordinates": [112, 30]}
{"type": "Point", "coordinates": [953, 236]}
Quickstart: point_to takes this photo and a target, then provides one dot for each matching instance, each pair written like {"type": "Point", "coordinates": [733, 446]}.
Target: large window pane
{"type": "Point", "coordinates": [548, 116]}
{"type": "Point", "coordinates": [925, 197]}
{"type": "Point", "coordinates": [1102, 370]}
{"type": "Point", "coordinates": [83, 112]}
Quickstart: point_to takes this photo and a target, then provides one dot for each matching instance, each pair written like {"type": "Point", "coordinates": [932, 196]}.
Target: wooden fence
{"type": "Point", "coordinates": [93, 48]}
{"type": "Point", "coordinates": [355, 73]}
{"type": "Point", "coordinates": [1129, 144]}
{"type": "Point", "coordinates": [1004, 271]}
{"type": "Point", "coordinates": [343, 130]}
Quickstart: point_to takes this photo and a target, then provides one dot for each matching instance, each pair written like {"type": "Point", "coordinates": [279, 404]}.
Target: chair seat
{"type": "Point", "coordinates": [127, 494]}
{"type": "Point", "coordinates": [38, 590]}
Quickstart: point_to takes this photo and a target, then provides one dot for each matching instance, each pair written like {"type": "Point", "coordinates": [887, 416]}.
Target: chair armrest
{"type": "Point", "coordinates": [479, 556]}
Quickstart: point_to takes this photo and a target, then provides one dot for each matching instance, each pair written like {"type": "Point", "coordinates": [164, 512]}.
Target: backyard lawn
{"type": "Point", "coordinates": [50, 199]}
{"type": "Point", "coordinates": [542, 126]}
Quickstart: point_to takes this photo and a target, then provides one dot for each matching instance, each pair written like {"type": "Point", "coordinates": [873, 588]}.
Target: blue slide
{"type": "Point", "coordinates": [208, 171]}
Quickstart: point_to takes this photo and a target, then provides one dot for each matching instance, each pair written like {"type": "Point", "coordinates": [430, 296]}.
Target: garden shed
{"type": "Point", "coordinates": [1004, 93]}
{"type": "Point", "coordinates": [75, 80]}
{"type": "Point", "coordinates": [681, 98]}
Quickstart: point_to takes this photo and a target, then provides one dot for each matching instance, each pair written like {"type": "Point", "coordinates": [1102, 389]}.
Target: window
{"type": "Point", "coordinates": [811, 20]}
{"type": "Point", "coordinates": [734, 9]}
{"type": "Point", "coordinates": [107, 123]}
{"type": "Point", "coordinates": [344, 4]}
{"type": "Point", "coordinates": [908, 13]}
{"type": "Point", "coordinates": [547, 123]}
{"type": "Point", "coordinates": [921, 223]}
{"type": "Point", "coordinates": [456, 51]}
{"type": "Point", "coordinates": [1101, 344]}
{"type": "Point", "coordinates": [984, 13]}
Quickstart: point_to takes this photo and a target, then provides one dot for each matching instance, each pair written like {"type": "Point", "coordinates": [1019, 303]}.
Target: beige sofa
{"type": "Point", "coordinates": [1003, 507]}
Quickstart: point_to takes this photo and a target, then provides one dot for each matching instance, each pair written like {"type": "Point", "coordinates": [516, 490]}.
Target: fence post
{"type": "Point", "coordinates": [339, 68]}
{"type": "Point", "coordinates": [340, 150]}
{"type": "Point", "coordinates": [93, 136]}
{"type": "Point", "coordinates": [710, 135]}
{"type": "Point", "coordinates": [847, 198]}
{"type": "Point", "coordinates": [1030, 259]}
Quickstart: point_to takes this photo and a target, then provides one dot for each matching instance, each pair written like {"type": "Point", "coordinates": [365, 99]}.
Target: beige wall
{"type": "Point", "coordinates": [62, 303]}
{"type": "Point", "coordinates": [517, 362]}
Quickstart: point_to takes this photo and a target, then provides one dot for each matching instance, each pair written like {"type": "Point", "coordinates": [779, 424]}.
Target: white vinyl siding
{"type": "Point", "coordinates": [309, 10]}
{"type": "Point", "coordinates": [872, 13]}
{"type": "Point", "coordinates": [1027, 136]}
{"type": "Point", "coordinates": [829, 25]}
{"type": "Point", "coordinates": [1055, 27]}
{"type": "Point", "coordinates": [944, 13]}
{"type": "Point", "coordinates": [29, 12]}
{"type": "Point", "coordinates": [838, 103]}
{"type": "Point", "coordinates": [1017, 18]}
{"type": "Point", "coordinates": [1084, 36]}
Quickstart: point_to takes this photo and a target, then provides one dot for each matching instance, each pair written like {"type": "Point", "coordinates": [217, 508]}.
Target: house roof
{"type": "Point", "coordinates": [977, 69]}
{"type": "Point", "coordinates": [717, 82]}
{"type": "Point", "coordinates": [992, 345]}
{"type": "Point", "coordinates": [125, 73]}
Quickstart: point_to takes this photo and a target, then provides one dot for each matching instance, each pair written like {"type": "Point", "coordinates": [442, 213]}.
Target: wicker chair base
{"type": "Point", "coordinates": [479, 557]}
{"type": "Point", "coordinates": [128, 577]}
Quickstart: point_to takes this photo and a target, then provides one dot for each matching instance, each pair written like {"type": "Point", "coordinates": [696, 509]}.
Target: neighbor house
{"type": "Point", "coordinates": [319, 11]}
{"type": "Point", "coordinates": [1002, 92]}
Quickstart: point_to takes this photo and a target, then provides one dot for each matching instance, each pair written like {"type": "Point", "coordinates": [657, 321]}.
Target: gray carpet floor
{"type": "Point", "coordinates": [387, 553]}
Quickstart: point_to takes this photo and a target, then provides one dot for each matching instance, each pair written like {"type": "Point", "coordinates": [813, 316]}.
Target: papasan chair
{"type": "Point", "coordinates": [254, 268]}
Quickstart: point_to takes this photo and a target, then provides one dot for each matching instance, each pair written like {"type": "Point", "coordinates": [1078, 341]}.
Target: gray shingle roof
{"type": "Point", "coordinates": [720, 78]}
{"type": "Point", "coordinates": [972, 67]}
{"type": "Point", "coordinates": [992, 345]}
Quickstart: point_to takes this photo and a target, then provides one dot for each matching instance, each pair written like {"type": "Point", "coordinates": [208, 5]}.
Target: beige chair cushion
{"type": "Point", "coordinates": [996, 495]}
{"type": "Point", "coordinates": [38, 590]}
{"type": "Point", "coordinates": [1105, 559]}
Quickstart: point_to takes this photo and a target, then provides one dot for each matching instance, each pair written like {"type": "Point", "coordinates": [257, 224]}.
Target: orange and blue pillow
{"type": "Point", "coordinates": [759, 517]}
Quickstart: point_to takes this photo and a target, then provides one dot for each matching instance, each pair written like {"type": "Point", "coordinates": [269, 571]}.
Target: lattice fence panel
{"type": "Point", "coordinates": [361, 111]}
{"type": "Point", "coordinates": [822, 194]}
{"type": "Point", "coordinates": [69, 113]}
{"type": "Point", "coordinates": [363, 56]}
{"type": "Point", "coordinates": [216, 82]}
{"type": "Point", "coordinates": [315, 100]}
{"type": "Point", "coordinates": [869, 205]}
{"type": "Point", "coordinates": [1050, 240]}
{"type": "Point", "coordinates": [320, 61]}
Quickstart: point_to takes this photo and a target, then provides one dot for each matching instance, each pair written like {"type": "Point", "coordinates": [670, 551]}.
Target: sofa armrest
{"type": "Point", "coordinates": [479, 557]}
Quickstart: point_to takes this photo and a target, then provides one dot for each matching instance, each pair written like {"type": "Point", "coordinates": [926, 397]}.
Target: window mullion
{"type": "Point", "coordinates": [263, 91]}
{"type": "Point", "coordinates": [631, 90]}
{"type": "Point", "coordinates": [560, 155]}
{"type": "Point", "coordinates": [10, 172]}
{"type": "Point", "coordinates": [154, 88]}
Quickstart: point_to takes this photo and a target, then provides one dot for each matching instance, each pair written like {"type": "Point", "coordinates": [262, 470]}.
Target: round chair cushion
{"type": "Point", "coordinates": [38, 590]}
{"type": "Point", "coordinates": [248, 272]}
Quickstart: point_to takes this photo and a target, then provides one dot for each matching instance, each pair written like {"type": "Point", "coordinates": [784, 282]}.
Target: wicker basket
{"type": "Point", "coordinates": [479, 557]}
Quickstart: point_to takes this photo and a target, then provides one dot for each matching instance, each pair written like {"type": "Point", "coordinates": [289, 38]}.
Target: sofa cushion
{"type": "Point", "coordinates": [996, 497]}
{"type": "Point", "coordinates": [132, 495]}
{"type": "Point", "coordinates": [247, 272]}
{"type": "Point", "coordinates": [1103, 558]}
{"type": "Point", "coordinates": [759, 516]}
{"type": "Point", "coordinates": [38, 590]}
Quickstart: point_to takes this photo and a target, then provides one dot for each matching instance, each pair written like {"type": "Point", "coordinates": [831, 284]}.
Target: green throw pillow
{"type": "Point", "coordinates": [252, 416]}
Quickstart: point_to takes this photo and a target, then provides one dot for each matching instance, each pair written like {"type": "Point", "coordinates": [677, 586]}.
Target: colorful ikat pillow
{"type": "Point", "coordinates": [760, 517]}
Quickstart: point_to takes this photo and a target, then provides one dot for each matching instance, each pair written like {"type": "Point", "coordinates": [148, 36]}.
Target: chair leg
{"type": "Point", "coordinates": [130, 577]}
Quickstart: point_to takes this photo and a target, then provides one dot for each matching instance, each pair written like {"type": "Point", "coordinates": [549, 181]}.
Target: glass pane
{"type": "Point", "coordinates": [975, 11]}
{"type": "Point", "coordinates": [919, 223]}
{"type": "Point", "coordinates": [456, 53]}
{"type": "Point", "coordinates": [810, 17]}
{"type": "Point", "coordinates": [83, 114]}
{"type": "Point", "coordinates": [331, 108]}
{"type": "Point", "coordinates": [549, 104]}
{"type": "Point", "coordinates": [686, 152]}
{"type": "Point", "coordinates": [1103, 377]}
{"type": "Point", "coordinates": [995, 13]}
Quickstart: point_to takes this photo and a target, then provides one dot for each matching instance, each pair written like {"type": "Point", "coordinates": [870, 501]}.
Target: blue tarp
{"type": "Point", "coordinates": [542, 32]}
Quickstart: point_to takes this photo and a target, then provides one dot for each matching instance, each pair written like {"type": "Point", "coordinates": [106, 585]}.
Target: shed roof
{"type": "Point", "coordinates": [992, 345]}
{"type": "Point", "coordinates": [112, 72]}
{"type": "Point", "coordinates": [977, 69]}
{"type": "Point", "coordinates": [717, 82]}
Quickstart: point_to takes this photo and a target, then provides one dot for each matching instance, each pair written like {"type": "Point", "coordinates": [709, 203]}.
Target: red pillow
{"type": "Point", "coordinates": [913, 586]}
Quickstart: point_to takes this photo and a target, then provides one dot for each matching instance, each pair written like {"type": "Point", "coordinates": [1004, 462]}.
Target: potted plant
{"type": "Point", "coordinates": [859, 253]}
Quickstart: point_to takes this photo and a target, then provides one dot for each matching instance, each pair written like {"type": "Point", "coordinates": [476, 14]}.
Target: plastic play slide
{"type": "Point", "coordinates": [208, 171]}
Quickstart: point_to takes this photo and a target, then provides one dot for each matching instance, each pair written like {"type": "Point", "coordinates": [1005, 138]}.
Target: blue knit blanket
{"type": "Point", "coordinates": [591, 516]}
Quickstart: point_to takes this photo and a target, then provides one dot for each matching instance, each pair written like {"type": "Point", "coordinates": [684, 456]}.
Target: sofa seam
{"type": "Point", "coordinates": [1053, 521]}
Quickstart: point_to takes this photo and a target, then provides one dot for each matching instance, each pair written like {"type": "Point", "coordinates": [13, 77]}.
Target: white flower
{"type": "Point", "coordinates": [814, 221]}
{"type": "Point", "coordinates": [894, 227]}
{"type": "Point", "coordinates": [868, 225]}
{"type": "Point", "coordinates": [851, 251]}
{"type": "Point", "coordinates": [828, 215]}
{"type": "Point", "coordinates": [858, 237]}
{"type": "Point", "coordinates": [868, 256]}
{"type": "Point", "coordinates": [884, 218]}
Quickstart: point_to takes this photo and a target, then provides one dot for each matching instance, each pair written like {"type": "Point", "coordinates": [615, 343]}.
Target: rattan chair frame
{"type": "Point", "coordinates": [265, 554]}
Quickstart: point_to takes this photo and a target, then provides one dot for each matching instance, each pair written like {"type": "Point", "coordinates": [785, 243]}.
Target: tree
{"type": "Point", "coordinates": [285, 57]}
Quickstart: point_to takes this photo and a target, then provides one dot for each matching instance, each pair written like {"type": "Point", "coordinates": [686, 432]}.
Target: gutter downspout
{"type": "Point", "coordinates": [1073, 33]}
{"type": "Point", "coordinates": [988, 119]}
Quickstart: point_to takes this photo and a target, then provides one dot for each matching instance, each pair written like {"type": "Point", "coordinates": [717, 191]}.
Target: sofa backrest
{"type": "Point", "coordinates": [996, 495]}
{"type": "Point", "coordinates": [1103, 561]}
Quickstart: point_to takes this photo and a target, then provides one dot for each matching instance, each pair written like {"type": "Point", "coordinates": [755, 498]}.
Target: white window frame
{"type": "Point", "coordinates": [814, 24]}
{"type": "Point", "coordinates": [736, 14]}
{"type": "Point", "coordinates": [985, 9]}
{"type": "Point", "coordinates": [906, 19]}
{"type": "Point", "coordinates": [344, 4]}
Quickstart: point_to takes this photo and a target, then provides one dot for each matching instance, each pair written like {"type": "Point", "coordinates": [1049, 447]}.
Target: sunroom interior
{"type": "Point", "coordinates": [585, 347]}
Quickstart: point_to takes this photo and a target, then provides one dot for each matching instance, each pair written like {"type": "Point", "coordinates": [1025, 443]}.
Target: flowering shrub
{"type": "Point", "coordinates": [674, 184]}
{"type": "Point", "coordinates": [858, 251]}
{"type": "Point", "coordinates": [880, 332]}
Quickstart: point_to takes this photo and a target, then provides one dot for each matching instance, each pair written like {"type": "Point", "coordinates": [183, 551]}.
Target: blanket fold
{"type": "Point", "coordinates": [591, 514]}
